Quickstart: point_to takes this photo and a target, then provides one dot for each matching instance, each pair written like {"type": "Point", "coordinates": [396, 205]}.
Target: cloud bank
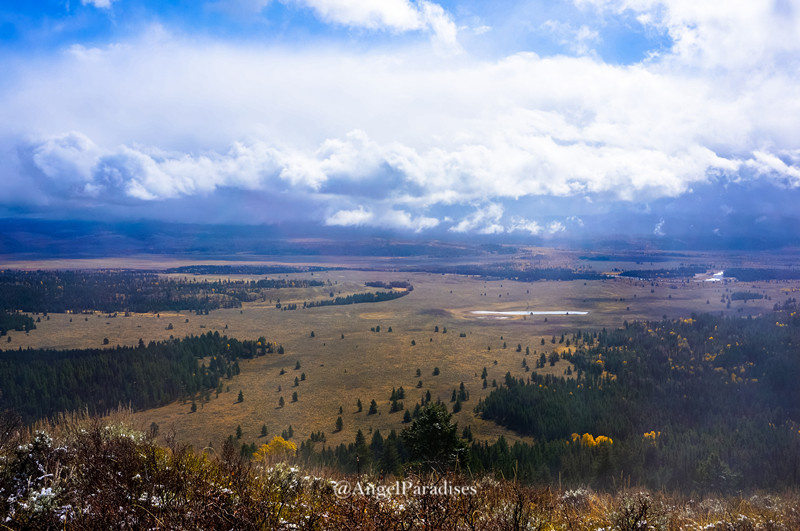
{"type": "Point", "coordinates": [400, 137]}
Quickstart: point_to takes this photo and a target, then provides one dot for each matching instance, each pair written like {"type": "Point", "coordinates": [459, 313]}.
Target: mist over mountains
{"type": "Point", "coordinates": [736, 216]}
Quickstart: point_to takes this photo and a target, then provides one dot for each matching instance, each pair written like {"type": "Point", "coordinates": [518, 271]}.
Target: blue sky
{"type": "Point", "coordinates": [530, 118]}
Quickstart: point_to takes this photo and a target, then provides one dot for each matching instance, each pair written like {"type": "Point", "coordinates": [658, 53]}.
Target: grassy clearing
{"type": "Point", "coordinates": [366, 365]}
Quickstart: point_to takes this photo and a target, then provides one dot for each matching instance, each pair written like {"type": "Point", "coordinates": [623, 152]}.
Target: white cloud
{"type": "Point", "coordinates": [66, 158]}
{"type": "Point", "coordinates": [394, 219]}
{"type": "Point", "coordinates": [555, 227]}
{"type": "Point", "coordinates": [658, 230]}
{"type": "Point", "coordinates": [100, 4]}
{"type": "Point", "coordinates": [398, 15]}
{"type": "Point", "coordinates": [771, 165]}
{"type": "Point", "coordinates": [403, 131]}
{"type": "Point", "coordinates": [737, 35]}
{"type": "Point", "coordinates": [349, 218]}
{"type": "Point", "coordinates": [392, 15]}
{"type": "Point", "coordinates": [484, 220]}
{"type": "Point", "coordinates": [579, 40]}
{"type": "Point", "coordinates": [520, 224]}
{"type": "Point", "coordinates": [400, 219]}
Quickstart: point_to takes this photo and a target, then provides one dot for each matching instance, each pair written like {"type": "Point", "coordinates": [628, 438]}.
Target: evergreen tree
{"type": "Point", "coordinates": [433, 439]}
{"type": "Point", "coordinates": [390, 461]}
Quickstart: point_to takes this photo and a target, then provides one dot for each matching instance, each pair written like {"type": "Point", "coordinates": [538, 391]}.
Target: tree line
{"type": "Point", "coordinates": [357, 298]}
{"type": "Point", "coordinates": [38, 383]}
{"type": "Point", "coordinates": [133, 291]}
{"type": "Point", "coordinates": [511, 272]}
{"type": "Point", "coordinates": [15, 321]}
{"type": "Point", "coordinates": [246, 269]}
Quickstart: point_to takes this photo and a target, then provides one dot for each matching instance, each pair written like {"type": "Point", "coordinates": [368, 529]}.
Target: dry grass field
{"type": "Point", "coordinates": [346, 361]}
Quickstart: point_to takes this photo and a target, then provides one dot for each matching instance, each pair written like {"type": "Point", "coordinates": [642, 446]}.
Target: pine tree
{"type": "Point", "coordinates": [339, 424]}
{"type": "Point", "coordinates": [373, 408]}
{"type": "Point", "coordinates": [240, 398]}
{"type": "Point", "coordinates": [390, 461]}
{"type": "Point", "coordinates": [433, 439]}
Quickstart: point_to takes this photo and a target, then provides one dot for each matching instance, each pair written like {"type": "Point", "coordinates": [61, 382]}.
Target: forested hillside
{"type": "Point", "coordinates": [708, 401]}
{"type": "Point", "coordinates": [708, 404]}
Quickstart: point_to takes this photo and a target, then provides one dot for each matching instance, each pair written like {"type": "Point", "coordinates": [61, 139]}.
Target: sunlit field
{"type": "Point", "coordinates": [363, 351]}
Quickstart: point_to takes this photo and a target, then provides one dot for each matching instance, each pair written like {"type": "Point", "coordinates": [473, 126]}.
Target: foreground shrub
{"type": "Point", "coordinates": [88, 474]}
